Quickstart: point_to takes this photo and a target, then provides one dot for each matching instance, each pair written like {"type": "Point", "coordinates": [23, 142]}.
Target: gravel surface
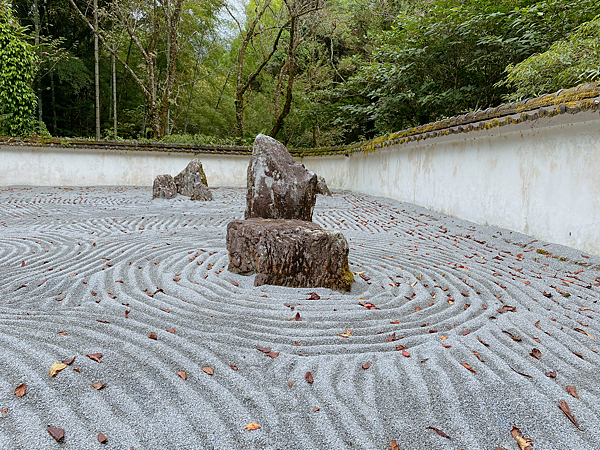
{"type": "Point", "coordinates": [97, 270]}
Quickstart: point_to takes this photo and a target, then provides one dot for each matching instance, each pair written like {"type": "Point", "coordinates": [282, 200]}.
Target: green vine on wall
{"type": "Point", "coordinates": [17, 70]}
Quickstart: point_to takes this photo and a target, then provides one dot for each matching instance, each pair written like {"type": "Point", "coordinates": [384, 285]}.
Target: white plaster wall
{"type": "Point", "coordinates": [52, 166]}
{"type": "Point", "coordinates": [542, 181]}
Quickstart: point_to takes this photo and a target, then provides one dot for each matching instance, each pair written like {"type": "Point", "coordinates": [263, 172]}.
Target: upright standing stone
{"type": "Point", "coordinates": [322, 187]}
{"type": "Point", "coordinates": [164, 187]}
{"type": "Point", "coordinates": [278, 186]}
{"type": "Point", "coordinates": [186, 180]}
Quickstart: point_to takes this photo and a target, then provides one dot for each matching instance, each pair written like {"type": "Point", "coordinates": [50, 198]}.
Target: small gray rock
{"type": "Point", "coordinates": [164, 187]}
{"type": "Point", "coordinates": [186, 180]}
{"type": "Point", "coordinates": [322, 187]}
{"type": "Point", "coordinates": [278, 186]}
{"type": "Point", "coordinates": [201, 192]}
{"type": "Point", "coordinates": [290, 253]}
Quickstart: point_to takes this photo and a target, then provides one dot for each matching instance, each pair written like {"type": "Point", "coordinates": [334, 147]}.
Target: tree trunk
{"type": "Point", "coordinates": [96, 70]}
{"type": "Point", "coordinates": [114, 92]}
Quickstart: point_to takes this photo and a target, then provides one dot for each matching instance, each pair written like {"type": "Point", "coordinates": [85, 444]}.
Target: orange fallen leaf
{"type": "Point", "coordinates": [468, 367]}
{"type": "Point", "coordinates": [394, 445]}
{"type": "Point", "coordinates": [405, 354]}
{"type": "Point", "coordinates": [102, 439]}
{"type": "Point", "coordinates": [309, 378]}
{"type": "Point", "coordinates": [182, 374]}
{"type": "Point", "coordinates": [565, 409]}
{"type": "Point", "coordinates": [56, 433]}
{"type": "Point", "coordinates": [55, 368]}
{"type": "Point", "coordinates": [208, 370]}
{"type": "Point", "coordinates": [522, 442]}
{"type": "Point", "coordinates": [316, 408]}
{"type": "Point", "coordinates": [97, 386]}
{"type": "Point", "coordinates": [438, 431]}
{"type": "Point", "coordinates": [171, 330]}
{"type": "Point", "coordinates": [95, 356]}
{"type": "Point", "coordinates": [347, 334]}
{"type": "Point", "coordinates": [20, 390]}
{"type": "Point", "coordinates": [366, 365]}
{"type": "Point", "coordinates": [252, 426]}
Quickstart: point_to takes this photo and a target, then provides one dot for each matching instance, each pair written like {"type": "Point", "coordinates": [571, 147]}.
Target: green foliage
{"type": "Point", "coordinates": [445, 59]}
{"type": "Point", "coordinates": [566, 63]}
{"type": "Point", "coordinates": [17, 71]}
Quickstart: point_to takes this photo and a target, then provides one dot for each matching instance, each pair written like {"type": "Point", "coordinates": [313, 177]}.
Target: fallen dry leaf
{"type": "Point", "coordinates": [234, 368]}
{"type": "Point", "coordinates": [366, 365]}
{"type": "Point", "coordinates": [182, 374]}
{"type": "Point", "coordinates": [571, 390]}
{"type": "Point", "coordinates": [171, 330]}
{"type": "Point", "coordinates": [76, 369]}
{"type": "Point", "coordinates": [347, 334]}
{"type": "Point", "coordinates": [272, 354]}
{"type": "Point", "coordinates": [55, 368]}
{"type": "Point", "coordinates": [252, 426]}
{"type": "Point", "coordinates": [69, 361]}
{"type": "Point", "coordinates": [482, 341]}
{"type": "Point", "coordinates": [468, 367]}
{"type": "Point", "coordinates": [296, 318]}
{"type": "Point", "coordinates": [208, 370]}
{"type": "Point", "coordinates": [95, 356]}
{"type": "Point", "coordinates": [20, 390]}
{"type": "Point", "coordinates": [405, 354]}
{"type": "Point", "coordinates": [478, 355]}
{"type": "Point", "coordinates": [102, 439]}
{"type": "Point", "coordinates": [522, 442]}
{"type": "Point", "coordinates": [62, 333]}
{"type": "Point", "coordinates": [309, 378]}
{"type": "Point", "coordinates": [394, 445]}
{"type": "Point", "coordinates": [316, 408]}
{"type": "Point", "coordinates": [56, 433]}
{"type": "Point", "coordinates": [565, 409]}
{"type": "Point", "coordinates": [153, 336]}
{"type": "Point", "coordinates": [536, 353]}
{"type": "Point", "coordinates": [438, 431]}
{"type": "Point", "coordinates": [263, 349]}
{"type": "Point", "coordinates": [97, 386]}
{"type": "Point", "coordinates": [551, 374]}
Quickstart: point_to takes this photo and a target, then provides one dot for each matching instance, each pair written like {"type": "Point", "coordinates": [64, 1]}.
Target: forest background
{"type": "Point", "coordinates": [308, 72]}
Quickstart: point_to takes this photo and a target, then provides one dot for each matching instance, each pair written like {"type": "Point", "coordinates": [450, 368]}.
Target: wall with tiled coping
{"type": "Point", "coordinates": [535, 170]}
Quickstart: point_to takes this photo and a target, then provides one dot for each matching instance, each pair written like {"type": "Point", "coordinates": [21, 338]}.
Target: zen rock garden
{"type": "Point", "coordinates": [278, 241]}
{"type": "Point", "coordinates": [190, 182]}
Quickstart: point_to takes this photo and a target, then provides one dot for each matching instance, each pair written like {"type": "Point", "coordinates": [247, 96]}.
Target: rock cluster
{"type": "Point", "coordinates": [190, 182]}
{"type": "Point", "coordinates": [278, 240]}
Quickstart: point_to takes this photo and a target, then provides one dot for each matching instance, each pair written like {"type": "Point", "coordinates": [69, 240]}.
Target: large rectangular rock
{"type": "Point", "coordinates": [290, 253]}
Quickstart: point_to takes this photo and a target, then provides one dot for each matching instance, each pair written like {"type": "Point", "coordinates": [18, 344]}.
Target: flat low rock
{"type": "Point", "coordinates": [291, 253]}
{"type": "Point", "coordinates": [201, 193]}
{"type": "Point", "coordinates": [278, 186]}
{"type": "Point", "coordinates": [164, 187]}
{"type": "Point", "coordinates": [187, 179]}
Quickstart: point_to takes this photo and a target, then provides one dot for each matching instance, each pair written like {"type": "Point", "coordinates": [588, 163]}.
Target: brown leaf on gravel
{"type": "Point", "coordinates": [478, 355]}
{"type": "Point", "coordinates": [536, 353]}
{"type": "Point", "coordinates": [208, 370]}
{"type": "Point", "coordinates": [95, 356]}
{"type": "Point", "coordinates": [468, 367]}
{"type": "Point", "coordinates": [176, 279]}
{"type": "Point", "coordinates": [272, 354]}
{"type": "Point", "coordinates": [56, 433]}
{"type": "Point", "coordinates": [565, 409]}
{"type": "Point", "coordinates": [576, 354]}
{"type": "Point", "coordinates": [20, 390]}
{"type": "Point", "coordinates": [56, 367]}
{"type": "Point", "coordinates": [370, 305]}
{"type": "Point", "coordinates": [263, 349]}
{"type": "Point", "coordinates": [309, 378]}
{"type": "Point", "coordinates": [366, 365]}
{"type": "Point", "coordinates": [405, 354]}
{"type": "Point", "coordinates": [296, 318]}
{"type": "Point", "coordinates": [482, 341]}
{"type": "Point", "coordinates": [551, 374]}
{"type": "Point", "coordinates": [466, 332]}
{"type": "Point", "coordinates": [69, 361]}
{"type": "Point", "coordinates": [520, 373]}
{"type": "Point", "coordinates": [514, 338]}
{"type": "Point", "coordinates": [234, 368]}
{"type": "Point", "coordinates": [152, 335]}
{"type": "Point", "coordinates": [391, 338]}
{"type": "Point", "coordinates": [102, 439]}
{"type": "Point", "coordinates": [316, 408]}
{"type": "Point", "coordinates": [97, 386]}
{"type": "Point", "coordinates": [400, 347]}
{"type": "Point", "coordinates": [347, 334]}
{"type": "Point", "coordinates": [290, 384]}
{"type": "Point", "coordinates": [171, 330]}
{"type": "Point", "coordinates": [571, 390]}
{"type": "Point", "coordinates": [522, 442]}
{"type": "Point", "coordinates": [182, 374]}
{"type": "Point", "coordinates": [62, 333]}
{"type": "Point", "coordinates": [446, 345]}
{"type": "Point", "coordinates": [506, 308]}
{"type": "Point", "coordinates": [464, 293]}
{"type": "Point", "coordinates": [235, 283]}
{"type": "Point", "coordinates": [252, 426]}
{"type": "Point", "coordinates": [537, 325]}
{"type": "Point", "coordinates": [438, 431]}
{"type": "Point", "coordinates": [394, 445]}
{"type": "Point", "coordinates": [76, 369]}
